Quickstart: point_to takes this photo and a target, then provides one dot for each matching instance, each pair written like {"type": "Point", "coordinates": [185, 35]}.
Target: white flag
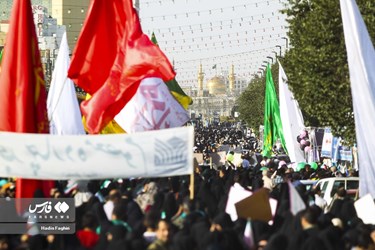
{"type": "Point", "coordinates": [236, 193]}
{"type": "Point", "coordinates": [62, 104]}
{"type": "Point", "coordinates": [151, 108]}
{"type": "Point", "coordinates": [291, 118]}
{"type": "Point", "coordinates": [296, 202]}
{"type": "Point", "coordinates": [248, 235]}
{"type": "Point", "coordinates": [365, 208]}
{"type": "Point", "coordinates": [361, 60]}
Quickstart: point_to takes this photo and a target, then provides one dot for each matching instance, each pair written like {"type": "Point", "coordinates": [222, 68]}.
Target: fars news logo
{"type": "Point", "coordinates": [48, 210]}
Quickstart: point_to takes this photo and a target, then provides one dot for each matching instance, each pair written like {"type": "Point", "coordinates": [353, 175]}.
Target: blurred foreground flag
{"type": "Point", "coordinates": [111, 58]}
{"type": "Point", "coordinates": [151, 108]}
{"type": "Point", "coordinates": [361, 60]}
{"type": "Point", "coordinates": [62, 103]}
{"type": "Point", "coordinates": [23, 96]}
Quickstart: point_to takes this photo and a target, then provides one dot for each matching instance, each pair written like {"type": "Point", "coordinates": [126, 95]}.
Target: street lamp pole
{"type": "Point", "coordinates": [286, 41]}
{"type": "Point", "coordinates": [278, 46]}
{"type": "Point", "coordinates": [270, 57]}
{"type": "Point", "coordinates": [275, 54]}
{"type": "Point", "coordinates": [261, 71]}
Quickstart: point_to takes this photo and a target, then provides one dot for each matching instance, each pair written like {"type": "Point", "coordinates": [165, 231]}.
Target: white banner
{"type": "Point", "coordinates": [327, 143]}
{"type": "Point", "coordinates": [158, 153]}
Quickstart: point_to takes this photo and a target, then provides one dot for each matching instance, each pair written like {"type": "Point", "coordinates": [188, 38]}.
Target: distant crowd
{"type": "Point", "coordinates": [158, 213]}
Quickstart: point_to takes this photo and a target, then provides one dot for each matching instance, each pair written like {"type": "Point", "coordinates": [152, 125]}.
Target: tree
{"type": "Point", "coordinates": [251, 103]}
{"type": "Point", "coordinates": [316, 65]}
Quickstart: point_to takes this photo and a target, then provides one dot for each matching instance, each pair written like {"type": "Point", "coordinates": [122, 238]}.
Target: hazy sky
{"type": "Point", "coordinates": [222, 32]}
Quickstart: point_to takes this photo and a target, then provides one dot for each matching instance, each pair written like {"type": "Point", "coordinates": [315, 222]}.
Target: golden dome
{"type": "Point", "coordinates": [216, 86]}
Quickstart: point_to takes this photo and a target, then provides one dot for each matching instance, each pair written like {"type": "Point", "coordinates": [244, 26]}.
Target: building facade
{"type": "Point", "coordinates": [70, 13]}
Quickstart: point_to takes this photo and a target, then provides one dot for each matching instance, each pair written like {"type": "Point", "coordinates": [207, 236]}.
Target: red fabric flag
{"type": "Point", "coordinates": [136, 58]}
{"type": "Point", "coordinates": [98, 44]}
{"type": "Point", "coordinates": [23, 96]}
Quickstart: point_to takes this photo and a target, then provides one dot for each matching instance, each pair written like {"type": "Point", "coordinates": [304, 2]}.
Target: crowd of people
{"type": "Point", "coordinates": [160, 214]}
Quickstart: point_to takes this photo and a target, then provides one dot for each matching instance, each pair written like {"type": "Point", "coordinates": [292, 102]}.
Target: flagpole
{"type": "Point", "coordinates": [191, 188]}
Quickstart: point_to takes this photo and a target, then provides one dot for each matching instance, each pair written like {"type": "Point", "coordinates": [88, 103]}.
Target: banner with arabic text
{"type": "Point", "coordinates": [158, 153]}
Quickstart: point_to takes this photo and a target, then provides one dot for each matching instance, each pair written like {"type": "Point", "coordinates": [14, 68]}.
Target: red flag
{"type": "Point", "coordinates": [98, 44]}
{"type": "Point", "coordinates": [136, 58]}
{"type": "Point", "coordinates": [23, 96]}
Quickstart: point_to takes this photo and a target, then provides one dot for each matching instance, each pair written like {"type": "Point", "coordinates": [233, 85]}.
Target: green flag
{"type": "Point", "coordinates": [1, 55]}
{"type": "Point", "coordinates": [179, 93]}
{"type": "Point", "coordinates": [153, 39]}
{"type": "Point", "coordinates": [174, 87]}
{"type": "Point", "coordinates": [273, 128]}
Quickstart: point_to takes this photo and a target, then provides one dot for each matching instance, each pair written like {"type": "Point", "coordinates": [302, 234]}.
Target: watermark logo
{"type": "Point", "coordinates": [61, 207]}
{"type": "Point", "coordinates": [37, 215]}
{"type": "Point", "coordinates": [44, 207]}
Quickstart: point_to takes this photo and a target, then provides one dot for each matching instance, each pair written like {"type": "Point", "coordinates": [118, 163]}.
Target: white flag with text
{"type": "Point", "coordinates": [151, 108]}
